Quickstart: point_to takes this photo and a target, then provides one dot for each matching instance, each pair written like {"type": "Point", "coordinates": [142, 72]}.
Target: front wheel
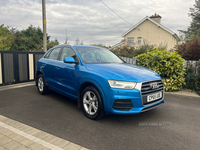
{"type": "Point", "coordinates": [92, 104]}
{"type": "Point", "coordinates": [41, 86]}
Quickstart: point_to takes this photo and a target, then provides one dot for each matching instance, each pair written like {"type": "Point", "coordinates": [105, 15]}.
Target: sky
{"type": "Point", "coordinates": [90, 20]}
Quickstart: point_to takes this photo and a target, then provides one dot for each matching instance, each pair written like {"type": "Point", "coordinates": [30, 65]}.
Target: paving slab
{"type": "Point", "coordinates": [24, 137]}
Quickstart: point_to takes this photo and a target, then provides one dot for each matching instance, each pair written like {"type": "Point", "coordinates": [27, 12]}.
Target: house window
{"type": "Point", "coordinates": [139, 40]}
{"type": "Point", "coordinates": [130, 41]}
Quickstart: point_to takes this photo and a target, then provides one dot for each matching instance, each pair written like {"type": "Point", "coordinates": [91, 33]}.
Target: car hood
{"type": "Point", "coordinates": [124, 72]}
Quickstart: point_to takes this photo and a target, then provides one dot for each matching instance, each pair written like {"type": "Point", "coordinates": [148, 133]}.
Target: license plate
{"type": "Point", "coordinates": [153, 97]}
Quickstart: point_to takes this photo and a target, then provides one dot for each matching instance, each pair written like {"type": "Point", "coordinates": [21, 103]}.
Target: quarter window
{"type": "Point", "coordinates": [47, 55]}
{"type": "Point", "coordinates": [54, 54]}
{"type": "Point", "coordinates": [139, 40]}
{"type": "Point", "coordinates": [130, 41]}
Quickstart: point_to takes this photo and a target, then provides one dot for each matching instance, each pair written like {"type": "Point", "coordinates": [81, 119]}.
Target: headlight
{"type": "Point", "coordinates": [121, 84]}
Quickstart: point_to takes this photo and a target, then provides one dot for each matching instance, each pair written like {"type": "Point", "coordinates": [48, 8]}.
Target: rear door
{"type": "Point", "coordinates": [49, 66]}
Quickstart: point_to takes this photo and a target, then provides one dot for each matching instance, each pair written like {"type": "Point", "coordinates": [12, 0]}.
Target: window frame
{"type": "Point", "coordinates": [49, 53]}
{"type": "Point", "coordinates": [78, 61]}
{"type": "Point", "coordinates": [140, 41]}
{"type": "Point", "coordinates": [130, 43]}
{"type": "Point", "coordinates": [98, 62]}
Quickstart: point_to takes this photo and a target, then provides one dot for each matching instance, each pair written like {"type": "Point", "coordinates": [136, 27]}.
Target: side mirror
{"type": "Point", "coordinates": [70, 60]}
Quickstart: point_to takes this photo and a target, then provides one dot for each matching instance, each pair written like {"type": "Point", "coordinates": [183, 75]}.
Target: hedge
{"type": "Point", "coordinates": [169, 65]}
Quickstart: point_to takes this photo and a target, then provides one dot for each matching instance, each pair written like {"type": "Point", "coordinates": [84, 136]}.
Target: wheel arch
{"type": "Point", "coordinates": [92, 83]}
{"type": "Point", "coordinates": [36, 76]}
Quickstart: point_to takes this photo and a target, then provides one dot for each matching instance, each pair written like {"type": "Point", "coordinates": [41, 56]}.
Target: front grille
{"type": "Point", "coordinates": [147, 90]}
{"type": "Point", "coordinates": [123, 104]}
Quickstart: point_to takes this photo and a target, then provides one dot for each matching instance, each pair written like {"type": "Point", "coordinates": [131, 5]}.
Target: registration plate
{"type": "Point", "coordinates": [154, 97]}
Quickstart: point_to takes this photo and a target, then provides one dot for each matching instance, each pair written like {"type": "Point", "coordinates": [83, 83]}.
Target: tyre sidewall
{"type": "Point", "coordinates": [45, 88]}
{"type": "Point", "coordinates": [100, 103]}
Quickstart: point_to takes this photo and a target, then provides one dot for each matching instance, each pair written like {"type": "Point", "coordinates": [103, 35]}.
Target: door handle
{"type": "Point", "coordinates": [57, 68]}
{"type": "Point", "coordinates": [43, 65]}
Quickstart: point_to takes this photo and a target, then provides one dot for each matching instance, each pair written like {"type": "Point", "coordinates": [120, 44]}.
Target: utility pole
{"type": "Point", "coordinates": [44, 26]}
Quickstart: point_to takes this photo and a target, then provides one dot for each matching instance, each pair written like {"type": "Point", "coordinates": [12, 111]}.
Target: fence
{"type": "Point", "coordinates": [17, 66]}
{"type": "Point", "coordinates": [129, 60]}
{"type": "Point", "coordinates": [188, 63]}
{"type": "Point", "coordinates": [192, 65]}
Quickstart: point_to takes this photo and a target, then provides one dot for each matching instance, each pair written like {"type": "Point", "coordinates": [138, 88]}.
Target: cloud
{"type": "Point", "coordinates": [90, 20]}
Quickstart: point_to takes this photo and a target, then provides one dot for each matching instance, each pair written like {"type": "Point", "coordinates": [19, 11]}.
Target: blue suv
{"type": "Point", "coordinates": [100, 81]}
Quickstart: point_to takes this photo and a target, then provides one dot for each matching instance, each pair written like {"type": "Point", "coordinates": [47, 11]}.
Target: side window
{"type": "Point", "coordinates": [67, 52]}
{"type": "Point", "coordinates": [54, 54]}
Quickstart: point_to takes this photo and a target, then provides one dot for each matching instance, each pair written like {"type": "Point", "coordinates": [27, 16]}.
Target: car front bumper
{"type": "Point", "coordinates": [122, 101]}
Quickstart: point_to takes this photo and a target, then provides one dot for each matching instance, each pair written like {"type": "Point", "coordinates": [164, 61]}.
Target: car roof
{"type": "Point", "coordinates": [77, 46]}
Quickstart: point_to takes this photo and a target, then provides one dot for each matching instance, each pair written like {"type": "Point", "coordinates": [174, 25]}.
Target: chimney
{"type": "Point", "coordinates": [156, 18]}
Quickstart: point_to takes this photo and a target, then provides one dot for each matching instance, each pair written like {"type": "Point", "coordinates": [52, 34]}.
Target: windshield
{"type": "Point", "coordinates": [98, 55]}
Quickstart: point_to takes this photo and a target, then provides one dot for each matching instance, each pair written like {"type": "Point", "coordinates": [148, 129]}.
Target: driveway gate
{"type": "Point", "coordinates": [17, 66]}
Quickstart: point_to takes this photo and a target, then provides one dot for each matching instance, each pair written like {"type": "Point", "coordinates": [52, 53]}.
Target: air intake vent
{"type": "Point", "coordinates": [123, 104]}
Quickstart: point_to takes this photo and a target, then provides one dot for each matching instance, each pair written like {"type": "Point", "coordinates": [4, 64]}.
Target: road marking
{"type": "Point", "coordinates": [30, 137]}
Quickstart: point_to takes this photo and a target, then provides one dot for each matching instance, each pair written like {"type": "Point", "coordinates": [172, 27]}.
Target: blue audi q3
{"type": "Point", "coordinates": [100, 81]}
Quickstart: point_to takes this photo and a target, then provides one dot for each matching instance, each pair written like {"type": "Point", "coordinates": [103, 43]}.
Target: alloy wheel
{"type": "Point", "coordinates": [90, 103]}
{"type": "Point", "coordinates": [40, 84]}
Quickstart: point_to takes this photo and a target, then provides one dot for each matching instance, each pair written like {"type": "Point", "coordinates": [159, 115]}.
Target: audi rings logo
{"type": "Point", "coordinates": [154, 85]}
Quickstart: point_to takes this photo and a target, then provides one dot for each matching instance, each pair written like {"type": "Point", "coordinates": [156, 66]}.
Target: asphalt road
{"type": "Point", "coordinates": [174, 125]}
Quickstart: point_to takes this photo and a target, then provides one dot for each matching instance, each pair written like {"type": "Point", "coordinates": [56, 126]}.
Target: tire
{"type": "Point", "coordinates": [92, 104]}
{"type": "Point", "coordinates": [41, 86]}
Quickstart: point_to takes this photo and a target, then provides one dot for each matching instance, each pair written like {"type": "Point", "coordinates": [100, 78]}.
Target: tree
{"type": "Point", "coordinates": [19, 42]}
{"type": "Point", "coordinates": [190, 50]}
{"type": "Point", "coordinates": [6, 37]}
{"type": "Point", "coordinates": [78, 42]}
{"type": "Point", "coordinates": [101, 45]}
{"type": "Point", "coordinates": [66, 38]}
{"type": "Point", "coordinates": [30, 39]}
{"type": "Point", "coordinates": [52, 44]}
{"type": "Point", "coordinates": [193, 30]}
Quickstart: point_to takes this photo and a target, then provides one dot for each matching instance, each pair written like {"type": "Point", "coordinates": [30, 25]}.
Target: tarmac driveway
{"type": "Point", "coordinates": [174, 125]}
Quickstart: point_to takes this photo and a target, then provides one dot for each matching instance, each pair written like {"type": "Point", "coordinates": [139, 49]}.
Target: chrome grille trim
{"type": "Point", "coordinates": [146, 90]}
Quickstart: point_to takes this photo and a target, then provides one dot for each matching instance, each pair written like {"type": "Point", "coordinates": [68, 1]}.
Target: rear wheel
{"type": "Point", "coordinates": [41, 86]}
{"type": "Point", "coordinates": [92, 104]}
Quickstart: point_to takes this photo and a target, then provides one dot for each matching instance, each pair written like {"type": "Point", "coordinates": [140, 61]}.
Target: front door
{"type": "Point", "coordinates": [66, 73]}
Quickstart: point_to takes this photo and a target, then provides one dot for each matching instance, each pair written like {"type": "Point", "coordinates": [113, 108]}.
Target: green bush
{"type": "Point", "coordinates": [198, 79]}
{"type": "Point", "coordinates": [124, 51]}
{"type": "Point", "coordinates": [133, 51]}
{"type": "Point", "coordinates": [169, 65]}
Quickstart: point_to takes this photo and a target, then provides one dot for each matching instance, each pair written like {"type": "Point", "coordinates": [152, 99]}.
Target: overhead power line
{"type": "Point", "coordinates": [116, 13]}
